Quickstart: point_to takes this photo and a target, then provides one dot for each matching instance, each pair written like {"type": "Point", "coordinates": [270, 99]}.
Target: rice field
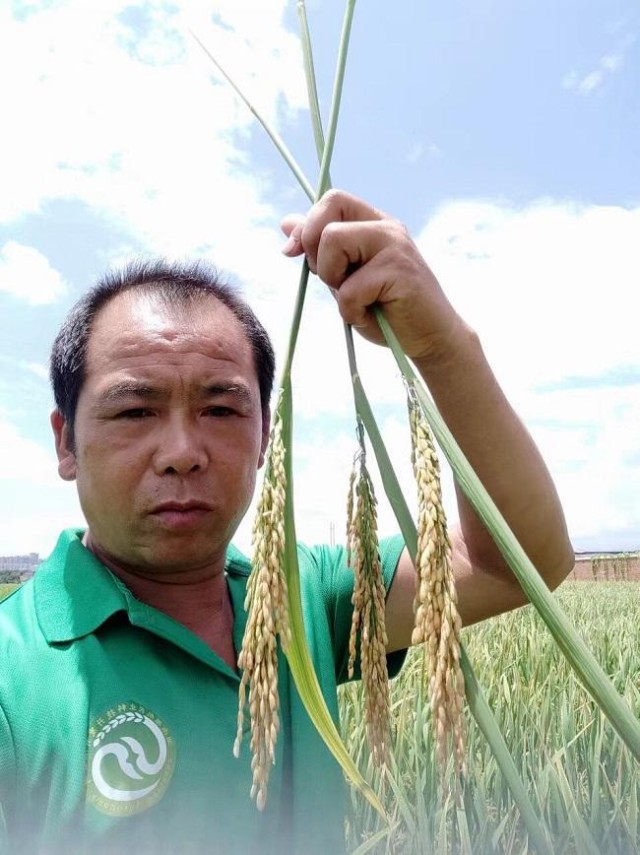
{"type": "Point", "coordinates": [5, 590]}
{"type": "Point", "coordinates": [584, 785]}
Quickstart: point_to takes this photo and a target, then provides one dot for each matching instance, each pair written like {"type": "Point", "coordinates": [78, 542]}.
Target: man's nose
{"type": "Point", "coordinates": [180, 449]}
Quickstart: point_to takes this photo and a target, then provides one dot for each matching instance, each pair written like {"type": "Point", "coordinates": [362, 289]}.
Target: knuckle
{"type": "Point", "coordinates": [334, 197]}
{"type": "Point", "coordinates": [330, 275]}
{"type": "Point", "coordinates": [398, 230]}
{"type": "Point", "coordinates": [331, 235]}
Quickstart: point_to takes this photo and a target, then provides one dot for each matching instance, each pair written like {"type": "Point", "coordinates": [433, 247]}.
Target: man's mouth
{"type": "Point", "coordinates": [181, 515]}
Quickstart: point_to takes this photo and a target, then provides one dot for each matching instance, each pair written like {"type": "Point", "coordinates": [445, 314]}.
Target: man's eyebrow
{"type": "Point", "coordinates": [213, 390]}
{"type": "Point", "coordinates": [130, 389]}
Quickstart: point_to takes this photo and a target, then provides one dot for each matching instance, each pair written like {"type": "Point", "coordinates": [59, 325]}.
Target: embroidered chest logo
{"type": "Point", "coordinates": [131, 758]}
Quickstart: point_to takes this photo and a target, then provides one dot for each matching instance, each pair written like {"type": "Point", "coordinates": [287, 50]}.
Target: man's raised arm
{"type": "Point", "coordinates": [367, 257]}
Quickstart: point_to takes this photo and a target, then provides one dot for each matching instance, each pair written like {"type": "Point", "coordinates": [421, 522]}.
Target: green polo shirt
{"type": "Point", "coordinates": [117, 723]}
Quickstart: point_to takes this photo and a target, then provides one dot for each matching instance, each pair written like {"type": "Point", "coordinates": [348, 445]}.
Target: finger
{"type": "Point", "coordinates": [360, 292]}
{"type": "Point", "coordinates": [289, 222]}
{"type": "Point", "coordinates": [404, 285]}
{"type": "Point", "coordinates": [336, 206]}
{"type": "Point", "coordinates": [292, 226]}
{"type": "Point", "coordinates": [345, 247]}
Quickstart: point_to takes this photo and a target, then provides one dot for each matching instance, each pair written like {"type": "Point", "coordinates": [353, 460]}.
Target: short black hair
{"type": "Point", "coordinates": [177, 283]}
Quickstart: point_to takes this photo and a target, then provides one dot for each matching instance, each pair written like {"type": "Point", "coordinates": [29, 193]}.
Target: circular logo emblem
{"type": "Point", "coordinates": [130, 761]}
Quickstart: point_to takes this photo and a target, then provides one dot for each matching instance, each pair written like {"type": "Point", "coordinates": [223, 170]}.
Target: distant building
{"type": "Point", "coordinates": [22, 567]}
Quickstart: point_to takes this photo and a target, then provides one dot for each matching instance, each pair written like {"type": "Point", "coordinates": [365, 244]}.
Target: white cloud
{"type": "Point", "coordinates": [611, 62]}
{"type": "Point", "coordinates": [36, 368]}
{"type": "Point", "coordinates": [608, 64]}
{"type": "Point", "coordinates": [419, 149]}
{"type": "Point", "coordinates": [27, 274]}
{"type": "Point", "coordinates": [122, 114]}
{"type": "Point", "coordinates": [591, 81]}
{"type": "Point", "coordinates": [589, 439]}
{"type": "Point", "coordinates": [23, 459]}
{"type": "Point", "coordinates": [550, 288]}
{"type": "Point", "coordinates": [37, 529]}
{"type": "Point", "coordinates": [35, 504]}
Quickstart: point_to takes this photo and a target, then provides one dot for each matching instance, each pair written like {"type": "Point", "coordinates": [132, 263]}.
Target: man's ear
{"type": "Point", "coordinates": [64, 447]}
{"type": "Point", "coordinates": [266, 427]}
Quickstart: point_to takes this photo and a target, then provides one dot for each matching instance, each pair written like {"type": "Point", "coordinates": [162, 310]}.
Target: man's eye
{"type": "Point", "coordinates": [220, 411]}
{"type": "Point", "coordinates": [134, 413]}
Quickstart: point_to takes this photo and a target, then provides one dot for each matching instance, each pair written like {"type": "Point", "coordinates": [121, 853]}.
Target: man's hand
{"type": "Point", "coordinates": [367, 257]}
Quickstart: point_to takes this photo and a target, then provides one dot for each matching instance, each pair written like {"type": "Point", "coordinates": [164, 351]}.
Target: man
{"type": "Point", "coordinates": [118, 685]}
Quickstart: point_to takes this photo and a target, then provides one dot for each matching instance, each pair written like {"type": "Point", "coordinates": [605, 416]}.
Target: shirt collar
{"type": "Point", "coordinates": [74, 593]}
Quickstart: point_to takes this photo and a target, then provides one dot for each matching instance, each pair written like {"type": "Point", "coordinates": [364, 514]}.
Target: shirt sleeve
{"type": "Point", "coordinates": [335, 579]}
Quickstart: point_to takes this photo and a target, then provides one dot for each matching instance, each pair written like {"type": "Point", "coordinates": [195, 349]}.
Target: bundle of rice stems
{"type": "Point", "coordinates": [451, 675]}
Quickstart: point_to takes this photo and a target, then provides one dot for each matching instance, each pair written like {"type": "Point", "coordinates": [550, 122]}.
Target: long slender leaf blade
{"type": "Point", "coordinates": [310, 76]}
{"type": "Point", "coordinates": [302, 669]}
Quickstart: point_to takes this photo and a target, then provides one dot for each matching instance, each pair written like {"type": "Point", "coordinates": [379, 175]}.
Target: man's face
{"type": "Point", "coordinates": [168, 433]}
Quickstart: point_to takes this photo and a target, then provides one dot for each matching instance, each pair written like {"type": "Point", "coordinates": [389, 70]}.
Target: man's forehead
{"type": "Point", "coordinates": [143, 326]}
{"type": "Point", "coordinates": [142, 319]}
{"type": "Point", "coordinates": [155, 309]}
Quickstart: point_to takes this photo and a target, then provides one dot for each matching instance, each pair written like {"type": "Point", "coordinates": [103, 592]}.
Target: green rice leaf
{"type": "Point", "coordinates": [298, 655]}
{"type": "Point", "coordinates": [274, 136]}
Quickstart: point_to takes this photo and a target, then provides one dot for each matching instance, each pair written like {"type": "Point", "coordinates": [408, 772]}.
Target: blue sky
{"type": "Point", "coordinates": [506, 135]}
